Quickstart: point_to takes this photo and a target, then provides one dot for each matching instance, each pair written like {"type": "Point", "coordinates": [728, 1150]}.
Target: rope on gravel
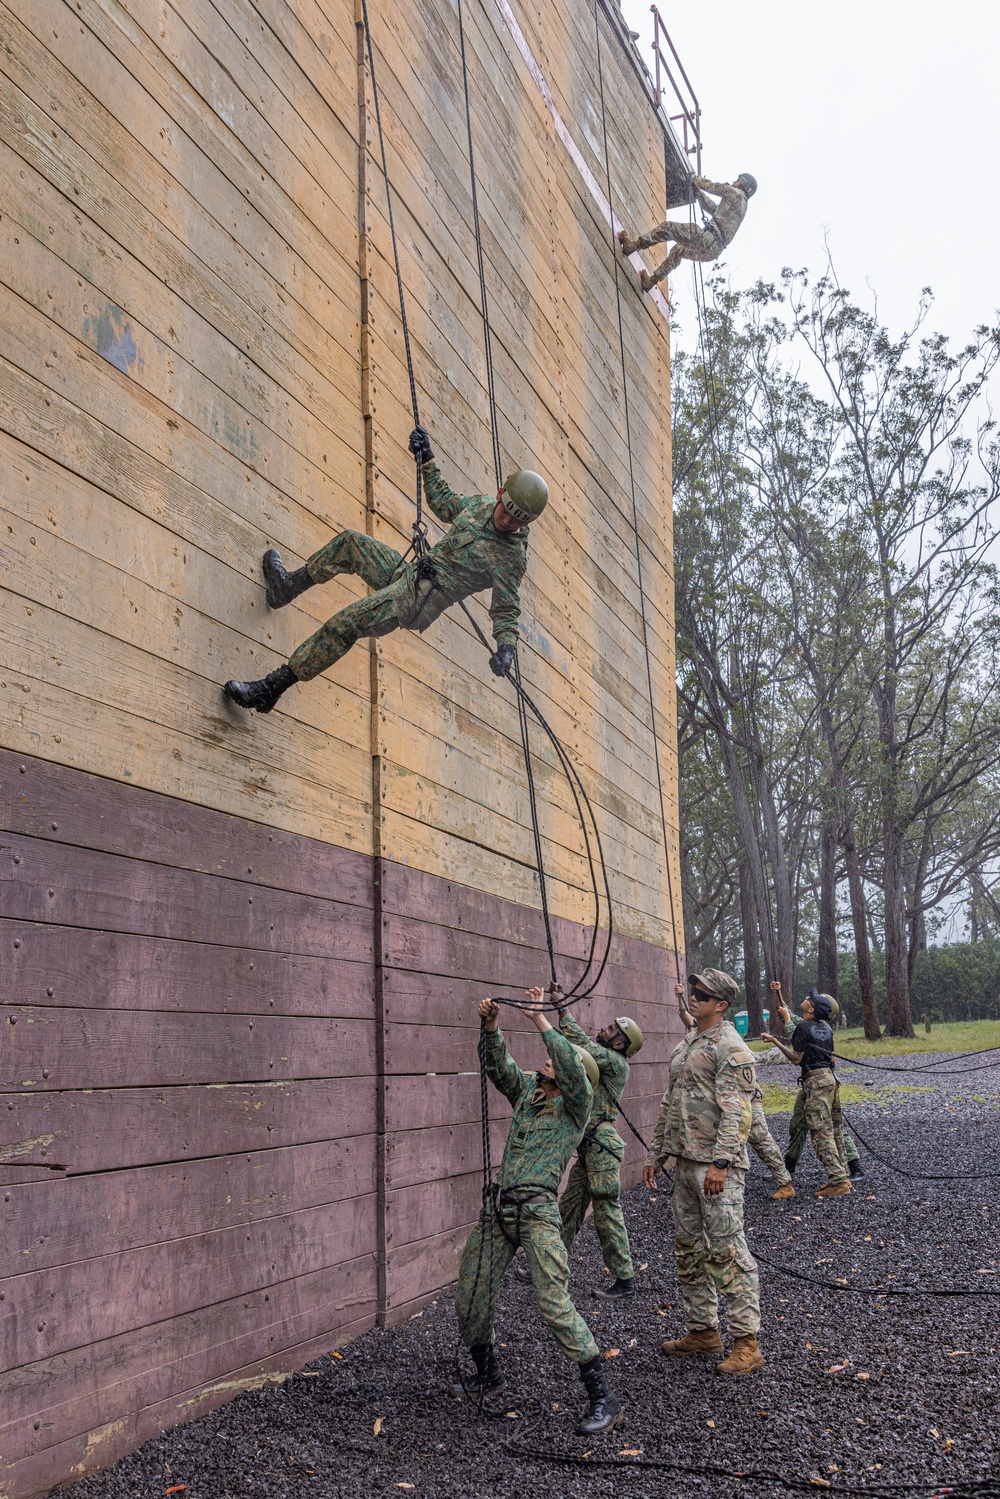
{"type": "Point", "coordinates": [930, 1066]}
{"type": "Point", "coordinates": [844, 1285]}
{"type": "Point", "coordinates": [938, 1176]}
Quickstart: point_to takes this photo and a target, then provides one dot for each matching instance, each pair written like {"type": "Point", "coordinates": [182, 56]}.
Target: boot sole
{"type": "Point", "coordinates": [690, 1352]}
{"type": "Point", "coordinates": [738, 1373]}
{"type": "Point", "coordinates": [601, 1431]}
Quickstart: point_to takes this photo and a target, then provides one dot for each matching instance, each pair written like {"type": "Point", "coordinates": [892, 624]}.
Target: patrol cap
{"type": "Point", "coordinates": [631, 1032]}
{"type": "Point", "coordinates": [590, 1067]}
{"type": "Point", "coordinates": [748, 183]}
{"type": "Point", "coordinates": [716, 983]}
{"type": "Point", "coordinates": [524, 495]}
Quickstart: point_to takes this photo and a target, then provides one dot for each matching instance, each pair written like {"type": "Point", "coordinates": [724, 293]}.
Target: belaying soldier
{"type": "Point", "coordinates": [811, 1048]}
{"type": "Point", "coordinates": [692, 242]}
{"type": "Point", "coordinates": [760, 1139]}
{"type": "Point", "coordinates": [486, 547]}
{"type": "Point", "coordinates": [703, 1125]}
{"type": "Point", "coordinates": [551, 1111]}
{"type": "Point", "coordinates": [596, 1174]}
{"type": "Point", "coordinates": [798, 1129]}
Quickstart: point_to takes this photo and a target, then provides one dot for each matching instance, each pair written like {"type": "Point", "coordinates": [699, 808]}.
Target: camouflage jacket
{"type": "Point", "coordinates": [613, 1067]}
{"type": "Point", "coordinates": [474, 555]}
{"type": "Point", "coordinates": [544, 1131]}
{"type": "Point", "coordinates": [729, 213]}
{"type": "Point", "coordinates": [706, 1111]}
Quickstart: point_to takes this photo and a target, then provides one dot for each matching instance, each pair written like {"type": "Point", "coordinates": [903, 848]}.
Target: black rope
{"type": "Point", "coordinates": [836, 1285]}
{"type": "Point", "coordinates": [522, 719]}
{"type": "Point", "coordinates": [932, 1067]}
{"type": "Point", "coordinates": [940, 1176]}
{"type": "Point", "coordinates": [635, 503]}
{"type": "Point", "coordinates": [419, 542]}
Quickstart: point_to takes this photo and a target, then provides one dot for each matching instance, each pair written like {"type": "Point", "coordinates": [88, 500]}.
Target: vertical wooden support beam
{"type": "Point", "coordinates": [368, 414]}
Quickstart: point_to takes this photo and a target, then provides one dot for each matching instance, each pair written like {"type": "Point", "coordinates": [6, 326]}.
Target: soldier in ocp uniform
{"type": "Point", "coordinates": [596, 1174]}
{"type": "Point", "coordinates": [551, 1111]}
{"type": "Point", "coordinates": [692, 242]}
{"type": "Point", "coordinates": [760, 1139]}
{"type": "Point", "coordinates": [811, 1048]}
{"type": "Point", "coordinates": [703, 1125]}
{"type": "Point", "coordinates": [486, 547]}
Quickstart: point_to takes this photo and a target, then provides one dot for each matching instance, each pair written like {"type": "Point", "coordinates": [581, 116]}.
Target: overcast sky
{"type": "Point", "coordinates": [872, 122]}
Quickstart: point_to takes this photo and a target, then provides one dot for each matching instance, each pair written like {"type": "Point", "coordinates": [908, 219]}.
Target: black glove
{"type": "Point", "coordinates": [420, 445]}
{"type": "Point", "coordinates": [502, 660]}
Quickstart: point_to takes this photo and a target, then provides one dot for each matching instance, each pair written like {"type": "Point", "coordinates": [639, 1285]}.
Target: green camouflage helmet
{"type": "Point", "coordinates": [590, 1067]}
{"type": "Point", "coordinates": [720, 985]}
{"type": "Point", "coordinates": [631, 1032]}
{"type": "Point", "coordinates": [834, 1006]}
{"type": "Point", "coordinates": [524, 496]}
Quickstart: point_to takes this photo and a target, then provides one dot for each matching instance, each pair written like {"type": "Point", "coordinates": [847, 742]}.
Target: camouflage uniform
{"type": "Point", "coordinates": [692, 242]}
{"type": "Point", "coordinates": [596, 1173]}
{"type": "Point", "coordinates": [763, 1142]}
{"type": "Point", "coordinates": [474, 555]}
{"type": "Point", "coordinates": [705, 1116]}
{"type": "Point", "coordinates": [823, 1118]}
{"type": "Point", "coordinates": [543, 1135]}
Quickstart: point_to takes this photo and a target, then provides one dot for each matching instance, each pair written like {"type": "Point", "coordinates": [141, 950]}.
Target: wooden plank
{"type": "Point", "coordinates": [416, 1270]}
{"type": "Point", "coordinates": [414, 1156]}
{"type": "Point", "coordinates": [59, 1222]}
{"type": "Point", "coordinates": [93, 970]}
{"type": "Point", "coordinates": [114, 1129]}
{"type": "Point", "coordinates": [44, 880]}
{"type": "Point", "coordinates": [85, 1389]}
{"type": "Point", "coordinates": [54, 1047]}
{"type": "Point", "coordinates": [100, 814]}
{"type": "Point", "coordinates": [415, 1212]}
{"type": "Point", "coordinates": [48, 1312]}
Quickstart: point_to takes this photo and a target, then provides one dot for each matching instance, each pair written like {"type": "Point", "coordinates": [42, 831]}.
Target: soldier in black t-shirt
{"type": "Point", "coordinates": [812, 1049]}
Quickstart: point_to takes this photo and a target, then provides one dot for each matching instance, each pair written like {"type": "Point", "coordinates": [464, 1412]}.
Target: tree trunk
{"type": "Point", "coordinates": [899, 1021]}
{"type": "Point", "coordinates": [784, 955]}
{"type": "Point", "coordinates": [751, 954]}
{"type": "Point", "coordinates": [826, 975]}
{"type": "Point", "coordinates": [862, 949]}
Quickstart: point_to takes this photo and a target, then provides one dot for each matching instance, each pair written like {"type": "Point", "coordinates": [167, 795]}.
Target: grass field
{"type": "Point", "coordinates": [965, 1035]}
{"type": "Point", "coordinates": [779, 1098]}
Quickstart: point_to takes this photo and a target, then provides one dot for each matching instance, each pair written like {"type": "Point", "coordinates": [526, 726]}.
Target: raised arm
{"type": "Point", "coordinates": [446, 503]}
{"type": "Point", "coordinates": [574, 1085]}
{"type": "Point", "coordinates": [501, 1069]}
{"type": "Point", "coordinates": [705, 186]}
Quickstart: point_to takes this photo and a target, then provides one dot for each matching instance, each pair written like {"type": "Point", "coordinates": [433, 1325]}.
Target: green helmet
{"type": "Point", "coordinates": [524, 495]}
{"type": "Point", "coordinates": [631, 1032]}
{"type": "Point", "coordinates": [834, 1006]}
{"type": "Point", "coordinates": [590, 1067]}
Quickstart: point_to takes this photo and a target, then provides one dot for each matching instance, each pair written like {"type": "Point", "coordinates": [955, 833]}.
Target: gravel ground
{"type": "Point", "coordinates": [857, 1392]}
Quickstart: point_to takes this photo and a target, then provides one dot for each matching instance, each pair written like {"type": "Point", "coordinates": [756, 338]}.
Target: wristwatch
{"type": "Point", "coordinates": [721, 1165]}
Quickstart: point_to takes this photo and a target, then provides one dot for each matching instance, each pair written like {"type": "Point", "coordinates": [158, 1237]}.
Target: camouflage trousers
{"type": "Point", "coordinates": [825, 1122]}
{"type": "Point", "coordinates": [691, 243]}
{"type": "Point", "coordinates": [537, 1228]}
{"type": "Point", "coordinates": [763, 1142]}
{"type": "Point", "coordinates": [711, 1251]}
{"type": "Point", "coordinates": [798, 1134]}
{"type": "Point", "coordinates": [393, 605]}
{"type": "Point", "coordinates": [596, 1178]}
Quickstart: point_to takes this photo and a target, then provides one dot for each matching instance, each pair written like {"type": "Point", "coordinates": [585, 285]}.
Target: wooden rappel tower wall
{"type": "Point", "coordinates": [241, 954]}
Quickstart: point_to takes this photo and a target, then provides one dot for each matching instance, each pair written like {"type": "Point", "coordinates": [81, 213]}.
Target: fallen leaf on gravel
{"type": "Point", "coordinates": [310, 1374]}
{"type": "Point", "coordinates": [612, 1353]}
{"type": "Point", "coordinates": [960, 1353]}
{"type": "Point", "coordinates": [986, 1272]}
{"type": "Point", "coordinates": [404, 1485]}
{"type": "Point", "coordinates": [863, 1375]}
{"type": "Point", "coordinates": [836, 1368]}
{"type": "Point", "coordinates": [824, 1483]}
{"type": "Point", "coordinates": [645, 1266]}
{"type": "Point", "coordinates": [338, 1355]}
{"type": "Point", "coordinates": [630, 1452]}
{"type": "Point", "coordinates": [762, 1415]}
{"type": "Point", "coordinates": [711, 1424]}
{"type": "Point", "coordinates": [513, 1415]}
{"type": "Point", "coordinates": [809, 1346]}
{"type": "Point", "coordinates": [832, 1468]}
{"type": "Point", "coordinates": [176, 1488]}
{"type": "Point", "coordinates": [555, 1405]}
{"type": "Point", "coordinates": [378, 1425]}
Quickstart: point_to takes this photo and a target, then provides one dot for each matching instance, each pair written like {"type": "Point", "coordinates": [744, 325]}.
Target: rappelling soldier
{"type": "Point", "coordinates": [760, 1139]}
{"type": "Point", "coordinates": [551, 1111]}
{"type": "Point", "coordinates": [486, 547]}
{"type": "Point", "coordinates": [798, 1129]}
{"type": "Point", "coordinates": [596, 1174]}
{"type": "Point", "coordinates": [811, 1048]}
{"type": "Point", "coordinates": [703, 1126]}
{"type": "Point", "coordinates": [692, 242]}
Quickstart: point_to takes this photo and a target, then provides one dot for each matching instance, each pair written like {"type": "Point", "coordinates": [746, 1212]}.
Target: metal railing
{"type": "Point", "coordinates": [683, 95]}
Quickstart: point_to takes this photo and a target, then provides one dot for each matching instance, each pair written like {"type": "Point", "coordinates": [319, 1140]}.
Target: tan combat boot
{"type": "Point", "coordinates": [699, 1340]}
{"type": "Point", "coordinates": [835, 1189]}
{"type": "Point", "coordinates": [744, 1359]}
{"type": "Point", "coordinates": [783, 1193]}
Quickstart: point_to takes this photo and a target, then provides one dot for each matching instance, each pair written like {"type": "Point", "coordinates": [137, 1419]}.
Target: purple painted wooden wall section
{"type": "Point", "coordinates": [191, 1025]}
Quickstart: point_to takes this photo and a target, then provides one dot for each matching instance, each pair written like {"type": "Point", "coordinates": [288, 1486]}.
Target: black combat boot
{"type": "Point", "coordinates": [855, 1168]}
{"type": "Point", "coordinates": [522, 1270]}
{"type": "Point", "coordinates": [488, 1375]}
{"type": "Point", "coordinates": [605, 1408]}
{"type": "Point", "coordinates": [264, 693]}
{"type": "Point", "coordinates": [622, 1290]}
{"type": "Point", "coordinates": [283, 586]}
